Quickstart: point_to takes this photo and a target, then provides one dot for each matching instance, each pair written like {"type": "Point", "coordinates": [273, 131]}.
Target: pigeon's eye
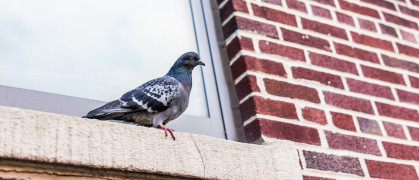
{"type": "Point", "coordinates": [191, 58]}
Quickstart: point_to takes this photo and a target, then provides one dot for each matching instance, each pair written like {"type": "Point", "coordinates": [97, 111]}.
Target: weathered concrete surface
{"type": "Point", "coordinates": [52, 138]}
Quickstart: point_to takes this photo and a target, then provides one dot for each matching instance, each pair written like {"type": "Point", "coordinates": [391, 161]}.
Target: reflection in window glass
{"type": "Point", "coordinates": [95, 49]}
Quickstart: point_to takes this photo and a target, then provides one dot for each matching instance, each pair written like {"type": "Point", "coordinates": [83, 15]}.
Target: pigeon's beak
{"type": "Point", "coordinates": [201, 63]}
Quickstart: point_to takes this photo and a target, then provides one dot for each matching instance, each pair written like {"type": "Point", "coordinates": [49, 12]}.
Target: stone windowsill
{"type": "Point", "coordinates": [36, 143]}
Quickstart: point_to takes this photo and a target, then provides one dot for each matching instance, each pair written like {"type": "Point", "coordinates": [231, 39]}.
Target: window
{"type": "Point", "coordinates": [71, 56]}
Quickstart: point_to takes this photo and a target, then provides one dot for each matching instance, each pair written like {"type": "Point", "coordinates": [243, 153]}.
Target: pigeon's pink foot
{"type": "Point", "coordinates": [163, 127]}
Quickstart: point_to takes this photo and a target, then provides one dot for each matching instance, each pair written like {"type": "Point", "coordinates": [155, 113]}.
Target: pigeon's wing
{"type": "Point", "coordinates": [153, 96]}
{"type": "Point", "coordinates": [110, 110]}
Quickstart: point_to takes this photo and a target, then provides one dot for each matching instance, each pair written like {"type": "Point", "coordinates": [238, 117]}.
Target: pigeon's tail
{"type": "Point", "coordinates": [111, 110]}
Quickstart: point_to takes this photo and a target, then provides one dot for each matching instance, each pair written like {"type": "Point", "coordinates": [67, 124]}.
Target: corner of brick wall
{"type": "Point", "coordinates": [338, 77]}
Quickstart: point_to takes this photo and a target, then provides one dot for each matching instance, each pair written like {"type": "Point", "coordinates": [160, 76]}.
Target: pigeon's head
{"type": "Point", "coordinates": [190, 60]}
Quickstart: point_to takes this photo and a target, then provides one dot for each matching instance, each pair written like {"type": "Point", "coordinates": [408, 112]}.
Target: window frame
{"type": "Point", "coordinates": [220, 121]}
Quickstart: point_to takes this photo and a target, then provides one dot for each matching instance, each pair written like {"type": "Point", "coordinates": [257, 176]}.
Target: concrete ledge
{"type": "Point", "coordinates": [40, 137]}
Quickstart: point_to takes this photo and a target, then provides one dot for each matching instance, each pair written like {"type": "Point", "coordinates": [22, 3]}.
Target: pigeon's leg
{"type": "Point", "coordinates": [163, 127]}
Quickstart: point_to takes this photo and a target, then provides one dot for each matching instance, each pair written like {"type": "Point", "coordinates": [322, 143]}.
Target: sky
{"type": "Point", "coordinates": [94, 49]}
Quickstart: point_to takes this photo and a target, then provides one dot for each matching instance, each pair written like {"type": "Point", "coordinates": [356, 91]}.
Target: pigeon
{"type": "Point", "coordinates": [156, 102]}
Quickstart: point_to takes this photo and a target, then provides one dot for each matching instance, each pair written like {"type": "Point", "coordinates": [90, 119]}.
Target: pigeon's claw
{"type": "Point", "coordinates": [163, 127]}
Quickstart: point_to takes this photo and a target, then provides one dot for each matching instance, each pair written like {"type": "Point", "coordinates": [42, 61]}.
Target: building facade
{"type": "Point", "coordinates": [333, 84]}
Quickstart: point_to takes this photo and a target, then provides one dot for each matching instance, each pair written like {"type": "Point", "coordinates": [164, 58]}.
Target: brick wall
{"type": "Point", "coordinates": [338, 77]}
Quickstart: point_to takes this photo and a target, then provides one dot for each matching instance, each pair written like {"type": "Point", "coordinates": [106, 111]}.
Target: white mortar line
{"type": "Point", "coordinates": [261, 84]}
{"type": "Point", "coordinates": [249, 7]}
{"type": "Point", "coordinates": [381, 148]}
{"type": "Point", "coordinates": [323, 140]}
{"type": "Point", "coordinates": [406, 79]}
{"type": "Point", "coordinates": [345, 84]}
{"type": "Point", "coordinates": [309, 10]}
{"type": "Point", "coordinates": [382, 128]}
{"type": "Point", "coordinates": [355, 121]}
{"type": "Point", "coordinates": [231, 37]}
{"type": "Point", "coordinates": [227, 19]}
{"type": "Point", "coordinates": [407, 132]}
{"type": "Point", "coordinates": [237, 56]}
{"type": "Point", "coordinates": [299, 24]}
{"type": "Point", "coordinates": [302, 158]}
{"type": "Point", "coordinates": [222, 4]}
{"type": "Point", "coordinates": [364, 167]}
{"type": "Point", "coordinates": [256, 45]}
{"type": "Point", "coordinates": [250, 120]}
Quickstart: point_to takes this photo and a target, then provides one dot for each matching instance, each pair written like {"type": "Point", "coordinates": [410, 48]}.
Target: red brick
{"type": "Point", "coordinates": [322, 12]}
{"type": "Point", "coordinates": [252, 131]}
{"type": "Point", "coordinates": [328, 162]}
{"type": "Point", "coordinates": [250, 25]}
{"type": "Point", "coordinates": [369, 126]}
{"type": "Point", "coordinates": [359, 9]}
{"type": "Point", "coordinates": [231, 6]}
{"type": "Point", "coordinates": [397, 63]}
{"type": "Point", "coordinates": [246, 86]}
{"type": "Point", "coordinates": [305, 39]}
{"type": "Point", "coordinates": [368, 25]}
{"type": "Point", "coordinates": [281, 50]}
{"type": "Point", "coordinates": [370, 41]}
{"type": "Point", "coordinates": [382, 75]}
{"type": "Point", "coordinates": [415, 2]}
{"type": "Point", "coordinates": [321, 77]}
{"type": "Point", "coordinates": [333, 63]}
{"type": "Point", "coordinates": [388, 170]}
{"type": "Point", "coordinates": [410, 51]}
{"type": "Point", "coordinates": [401, 151]}
{"type": "Point", "coordinates": [237, 44]}
{"type": "Point", "coordinates": [259, 105]}
{"type": "Point", "coordinates": [285, 89]}
{"type": "Point", "coordinates": [397, 112]}
{"type": "Point", "coordinates": [356, 53]}
{"type": "Point", "coordinates": [277, 2]}
{"type": "Point", "coordinates": [408, 36]}
{"type": "Point", "coordinates": [343, 121]}
{"type": "Point", "coordinates": [388, 30]}
{"type": "Point", "coordinates": [352, 143]}
{"type": "Point", "coordinates": [394, 130]}
{"type": "Point", "coordinates": [315, 178]}
{"type": "Point", "coordinates": [344, 18]}
{"type": "Point", "coordinates": [369, 88]}
{"type": "Point", "coordinates": [327, 2]}
{"type": "Point", "coordinates": [314, 115]}
{"type": "Point", "coordinates": [324, 28]}
{"type": "Point", "coordinates": [414, 133]}
{"type": "Point", "coordinates": [411, 12]}
{"type": "Point", "coordinates": [347, 102]}
{"type": "Point", "coordinates": [409, 97]}
{"type": "Point", "coordinates": [281, 130]}
{"type": "Point", "coordinates": [400, 21]}
{"type": "Point", "coordinates": [274, 15]}
{"type": "Point", "coordinates": [297, 5]}
{"type": "Point", "coordinates": [249, 63]}
{"type": "Point", "coordinates": [382, 3]}
{"type": "Point", "coordinates": [414, 81]}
